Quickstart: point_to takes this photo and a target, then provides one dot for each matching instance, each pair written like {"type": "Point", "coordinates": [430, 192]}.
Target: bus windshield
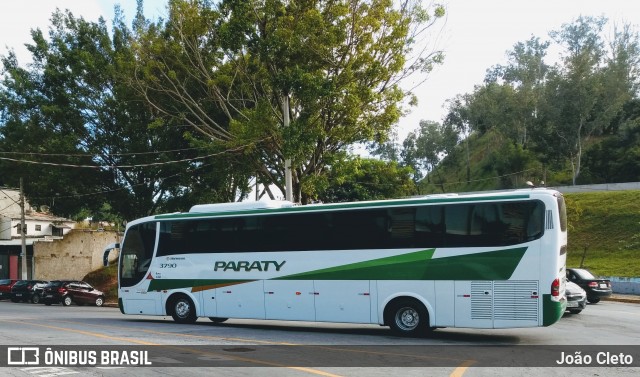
{"type": "Point", "coordinates": [136, 254]}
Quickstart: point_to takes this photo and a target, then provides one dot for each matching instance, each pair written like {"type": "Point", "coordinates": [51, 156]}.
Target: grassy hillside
{"type": "Point", "coordinates": [106, 280]}
{"type": "Point", "coordinates": [606, 224]}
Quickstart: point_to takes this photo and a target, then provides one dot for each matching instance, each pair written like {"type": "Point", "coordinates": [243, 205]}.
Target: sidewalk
{"type": "Point", "coordinates": [632, 299]}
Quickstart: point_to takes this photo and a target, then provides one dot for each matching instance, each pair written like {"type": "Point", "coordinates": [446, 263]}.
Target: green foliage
{"type": "Point", "coordinates": [510, 160]}
{"type": "Point", "coordinates": [423, 148]}
{"type": "Point", "coordinates": [191, 108]}
{"type": "Point", "coordinates": [106, 280]}
{"type": "Point", "coordinates": [574, 212]}
{"type": "Point", "coordinates": [337, 67]}
{"type": "Point", "coordinates": [95, 143]}
{"type": "Point", "coordinates": [495, 163]}
{"type": "Point", "coordinates": [616, 157]}
{"type": "Point", "coordinates": [574, 122]}
{"type": "Point", "coordinates": [358, 179]}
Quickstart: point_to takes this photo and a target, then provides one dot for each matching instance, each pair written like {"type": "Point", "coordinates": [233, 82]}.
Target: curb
{"type": "Point", "coordinates": [626, 299]}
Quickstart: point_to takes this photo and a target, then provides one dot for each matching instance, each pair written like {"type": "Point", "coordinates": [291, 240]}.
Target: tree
{"type": "Point", "coordinates": [43, 123]}
{"type": "Point", "coordinates": [425, 147]}
{"type": "Point", "coordinates": [91, 135]}
{"type": "Point", "coordinates": [357, 179]}
{"type": "Point", "coordinates": [459, 118]}
{"type": "Point", "coordinates": [235, 70]}
{"type": "Point", "coordinates": [578, 89]}
{"type": "Point", "coordinates": [617, 157]}
{"type": "Point", "coordinates": [523, 81]}
{"type": "Point", "coordinates": [551, 114]}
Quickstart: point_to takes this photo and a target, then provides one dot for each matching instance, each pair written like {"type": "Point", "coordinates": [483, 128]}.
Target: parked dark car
{"type": "Point", "coordinates": [70, 291]}
{"type": "Point", "coordinates": [28, 290]}
{"type": "Point", "coordinates": [5, 288]}
{"type": "Point", "coordinates": [596, 288]}
{"type": "Point", "coordinates": [576, 298]}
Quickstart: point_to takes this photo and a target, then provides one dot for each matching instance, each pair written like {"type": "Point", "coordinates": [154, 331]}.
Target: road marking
{"type": "Point", "coordinates": [137, 341]}
{"type": "Point", "coordinates": [89, 333]}
{"type": "Point", "coordinates": [459, 371]}
{"type": "Point", "coordinates": [48, 371]}
{"type": "Point", "coordinates": [164, 333]}
{"type": "Point", "coordinates": [465, 363]}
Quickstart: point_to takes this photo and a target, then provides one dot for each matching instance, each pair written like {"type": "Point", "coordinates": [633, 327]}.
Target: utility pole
{"type": "Point", "coordinates": [288, 178]}
{"type": "Point", "coordinates": [23, 233]}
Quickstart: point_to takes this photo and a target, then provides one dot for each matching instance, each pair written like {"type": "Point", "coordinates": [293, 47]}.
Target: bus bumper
{"type": "Point", "coordinates": [552, 310]}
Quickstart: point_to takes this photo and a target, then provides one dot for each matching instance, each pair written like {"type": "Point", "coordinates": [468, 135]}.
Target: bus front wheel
{"type": "Point", "coordinates": [407, 317]}
{"type": "Point", "coordinates": [182, 309]}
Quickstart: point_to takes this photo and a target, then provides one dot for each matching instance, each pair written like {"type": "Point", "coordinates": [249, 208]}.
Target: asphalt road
{"type": "Point", "coordinates": [258, 348]}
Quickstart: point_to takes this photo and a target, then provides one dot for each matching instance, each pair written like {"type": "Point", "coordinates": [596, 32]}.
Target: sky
{"type": "Point", "coordinates": [475, 36]}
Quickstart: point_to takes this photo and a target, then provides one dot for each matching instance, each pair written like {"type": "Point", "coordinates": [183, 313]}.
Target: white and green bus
{"type": "Point", "coordinates": [480, 260]}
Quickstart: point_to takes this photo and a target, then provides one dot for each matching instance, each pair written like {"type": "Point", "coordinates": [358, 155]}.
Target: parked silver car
{"type": "Point", "coordinates": [576, 298]}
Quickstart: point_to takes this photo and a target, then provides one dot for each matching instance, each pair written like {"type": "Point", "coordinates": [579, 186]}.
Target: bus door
{"type": "Point", "coordinates": [136, 272]}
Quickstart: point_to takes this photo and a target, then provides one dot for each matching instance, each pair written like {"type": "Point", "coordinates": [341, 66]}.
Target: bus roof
{"type": "Point", "coordinates": [265, 207]}
{"type": "Point", "coordinates": [240, 206]}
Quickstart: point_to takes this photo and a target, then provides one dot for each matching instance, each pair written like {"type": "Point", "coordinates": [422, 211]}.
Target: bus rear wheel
{"type": "Point", "coordinates": [182, 309]}
{"type": "Point", "coordinates": [407, 317]}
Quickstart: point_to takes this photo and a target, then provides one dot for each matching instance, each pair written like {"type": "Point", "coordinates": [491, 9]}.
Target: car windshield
{"type": "Point", "coordinates": [584, 274]}
{"type": "Point", "coordinates": [5, 282]}
{"type": "Point", "coordinates": [54, 284]}
{"type": "Point", "coordinates": [21, 283]}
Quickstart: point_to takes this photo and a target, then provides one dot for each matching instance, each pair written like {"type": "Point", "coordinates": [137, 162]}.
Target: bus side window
{"type": "Point", "coordinates": [429, 226]}
{"type": "Point", "coordinates": [513, 214]}
{"type": "Point", "coordinates": [457, 223]}
{"type": "Point", "coordinates": [401, 227]}
{"type": "Point", "coordinates": [535, 222]}
{"type": "Point", "coordinates": [487, 227]}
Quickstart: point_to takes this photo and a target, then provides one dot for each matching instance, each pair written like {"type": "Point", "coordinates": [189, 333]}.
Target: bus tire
{"type": "Point", "coordinates": [182, 309]}
{"type": "Point", "coordinates": [217, 319]}
{"type": "Point", "coordinates": [407, 317]}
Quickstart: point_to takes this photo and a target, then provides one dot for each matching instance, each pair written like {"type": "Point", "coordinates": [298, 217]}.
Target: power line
{"type": "Point", "coordinates": [480, 180]}
{"type": "Point", "coordinates": [115, 190]}
{"type": "Point", "coordinates": [241, 147]}
{"type": "Point", "coordinates": [112, 154]}
{"type": "Point", "coordinates": [113, 167]}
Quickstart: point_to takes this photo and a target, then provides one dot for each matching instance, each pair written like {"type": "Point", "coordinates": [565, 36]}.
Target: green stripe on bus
{"type": "Point", "coordinates": [420, 265]}
{"type": "Point", "coordinates": [492, 265]}
{"type": "Point", "coordinates": [161, 284]}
